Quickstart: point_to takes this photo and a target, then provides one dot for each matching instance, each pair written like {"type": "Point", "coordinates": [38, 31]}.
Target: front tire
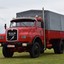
{"type": "Point", "coordinates": [35, 50]}
{"type": "Point", "coordinates": [42, 49]}
{"type": "Point", "coordinates": [7, 52]}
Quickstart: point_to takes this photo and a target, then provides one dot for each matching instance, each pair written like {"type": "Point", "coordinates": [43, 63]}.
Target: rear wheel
{"type": "Point", "coordinates": [7, 52]}
{"type": "Point", "coordinates": [35, 50]}
{"type": "Point", "coordinates": [58, 47]}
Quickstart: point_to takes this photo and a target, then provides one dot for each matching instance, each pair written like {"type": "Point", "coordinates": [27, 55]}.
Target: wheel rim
{"type": "Point", "coordinates": [36, 50]}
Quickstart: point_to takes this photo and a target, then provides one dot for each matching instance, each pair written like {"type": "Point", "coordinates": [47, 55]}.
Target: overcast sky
{"type": "Point", "coordinates": [8, 8]}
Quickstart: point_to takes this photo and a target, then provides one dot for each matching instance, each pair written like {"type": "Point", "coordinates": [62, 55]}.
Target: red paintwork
{"type": "Point", "coordinates": [3, 40]}
{"type": "Point", "coordinates": [32, 32]}
{"type": "Point", "coordinates": [50, 34]}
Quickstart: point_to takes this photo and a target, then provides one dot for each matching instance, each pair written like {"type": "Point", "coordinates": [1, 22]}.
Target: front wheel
{"type": "Point", "coordinates": [35, 50]}
{"type": "Point", "coordinates": [7, 52]}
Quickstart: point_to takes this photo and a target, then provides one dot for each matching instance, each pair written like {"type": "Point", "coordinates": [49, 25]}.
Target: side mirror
{"type": "Point", "coordinates": [5, 26]}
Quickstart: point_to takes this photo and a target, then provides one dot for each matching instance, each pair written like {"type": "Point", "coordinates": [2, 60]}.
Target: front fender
{"type": "Point", "coordinates": [2, 38]}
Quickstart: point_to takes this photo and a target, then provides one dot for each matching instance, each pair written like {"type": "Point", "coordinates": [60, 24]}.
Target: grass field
{"type": "Point", "coordinates": [23, 58]}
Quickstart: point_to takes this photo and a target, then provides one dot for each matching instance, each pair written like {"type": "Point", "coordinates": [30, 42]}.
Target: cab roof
{"type": "Point", "coordinates": [26, 18]}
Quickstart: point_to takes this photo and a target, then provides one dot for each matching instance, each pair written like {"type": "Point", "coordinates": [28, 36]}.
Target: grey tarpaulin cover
{"type": "Point", "coordinates": [53, 21]}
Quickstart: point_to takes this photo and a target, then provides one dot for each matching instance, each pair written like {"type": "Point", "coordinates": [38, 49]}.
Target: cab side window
{"type": "Point", "coordinates": [40, 24]}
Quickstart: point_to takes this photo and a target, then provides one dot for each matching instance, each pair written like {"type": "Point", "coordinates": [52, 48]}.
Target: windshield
{"type": "Point", "coordinates": [22, 23]}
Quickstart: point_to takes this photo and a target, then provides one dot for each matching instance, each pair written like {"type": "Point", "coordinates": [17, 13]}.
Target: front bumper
{"type": "Point", "coordinates": [14, 45]}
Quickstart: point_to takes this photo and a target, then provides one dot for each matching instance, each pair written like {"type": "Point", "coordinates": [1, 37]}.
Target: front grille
{"type": "Point", "coordinates": [12, 35]}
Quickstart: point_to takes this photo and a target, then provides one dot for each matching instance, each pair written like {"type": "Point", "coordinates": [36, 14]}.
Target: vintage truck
{"type": "Point", "coordinates": [34, 31]}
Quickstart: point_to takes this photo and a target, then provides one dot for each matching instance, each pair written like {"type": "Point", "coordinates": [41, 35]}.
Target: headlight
{"type": "Point", "coordinates": [1, 37]}
{"type": "Point", "coordinates": [23, 37]}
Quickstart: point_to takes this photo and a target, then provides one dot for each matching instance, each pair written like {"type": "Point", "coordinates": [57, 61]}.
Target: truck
{"type": "Point", "coordinates": [33, 31]}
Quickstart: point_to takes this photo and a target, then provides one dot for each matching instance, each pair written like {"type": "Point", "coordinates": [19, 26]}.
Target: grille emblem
{"type": "Point", "coordinates": [12, 38]}
{"type": "Point", "coordinates": [12, 35]}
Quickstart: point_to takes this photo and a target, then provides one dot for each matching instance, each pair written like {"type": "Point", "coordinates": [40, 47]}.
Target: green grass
{"type": "Point", "coordinates": [23, 58]}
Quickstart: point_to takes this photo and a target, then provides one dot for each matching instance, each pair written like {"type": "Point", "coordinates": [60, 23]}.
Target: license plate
{"type": "Point", "coordinates": [10, 46]}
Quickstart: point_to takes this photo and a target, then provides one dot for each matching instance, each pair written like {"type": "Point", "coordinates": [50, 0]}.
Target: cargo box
{"type": "Point", "coordinates": [53, 21]}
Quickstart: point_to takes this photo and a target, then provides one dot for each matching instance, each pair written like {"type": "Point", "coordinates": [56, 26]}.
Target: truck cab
{"type": "Point", "coordinates": [24, 34]}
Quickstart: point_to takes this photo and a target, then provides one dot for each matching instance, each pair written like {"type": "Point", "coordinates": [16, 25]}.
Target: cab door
{"type": "Point", "coordinates": [40, 30]}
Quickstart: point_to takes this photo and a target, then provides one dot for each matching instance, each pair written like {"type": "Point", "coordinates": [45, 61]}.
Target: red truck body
{"type": "Point", "coordinates": [28, 34]}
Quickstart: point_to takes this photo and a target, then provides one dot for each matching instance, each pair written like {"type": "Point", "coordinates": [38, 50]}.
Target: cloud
{"type": "Point", "coordinates": [20, 3]}
{"type": "Point", "coordinates": [2, 7]}
{"type": "Point", "coordinates": [2, 30]}
{"type": "Point", "coordinates": [54, 5]}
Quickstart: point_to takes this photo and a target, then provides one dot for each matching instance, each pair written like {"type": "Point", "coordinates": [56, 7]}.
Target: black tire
{"type": "Point", "coordinates": [58, 47]}
{"type": "Point", "coordinates": [35, 50]}
{"type": "Point", "coordinates": [7, 52]}
{"type": "Point", "coordinates": [42, 49]}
